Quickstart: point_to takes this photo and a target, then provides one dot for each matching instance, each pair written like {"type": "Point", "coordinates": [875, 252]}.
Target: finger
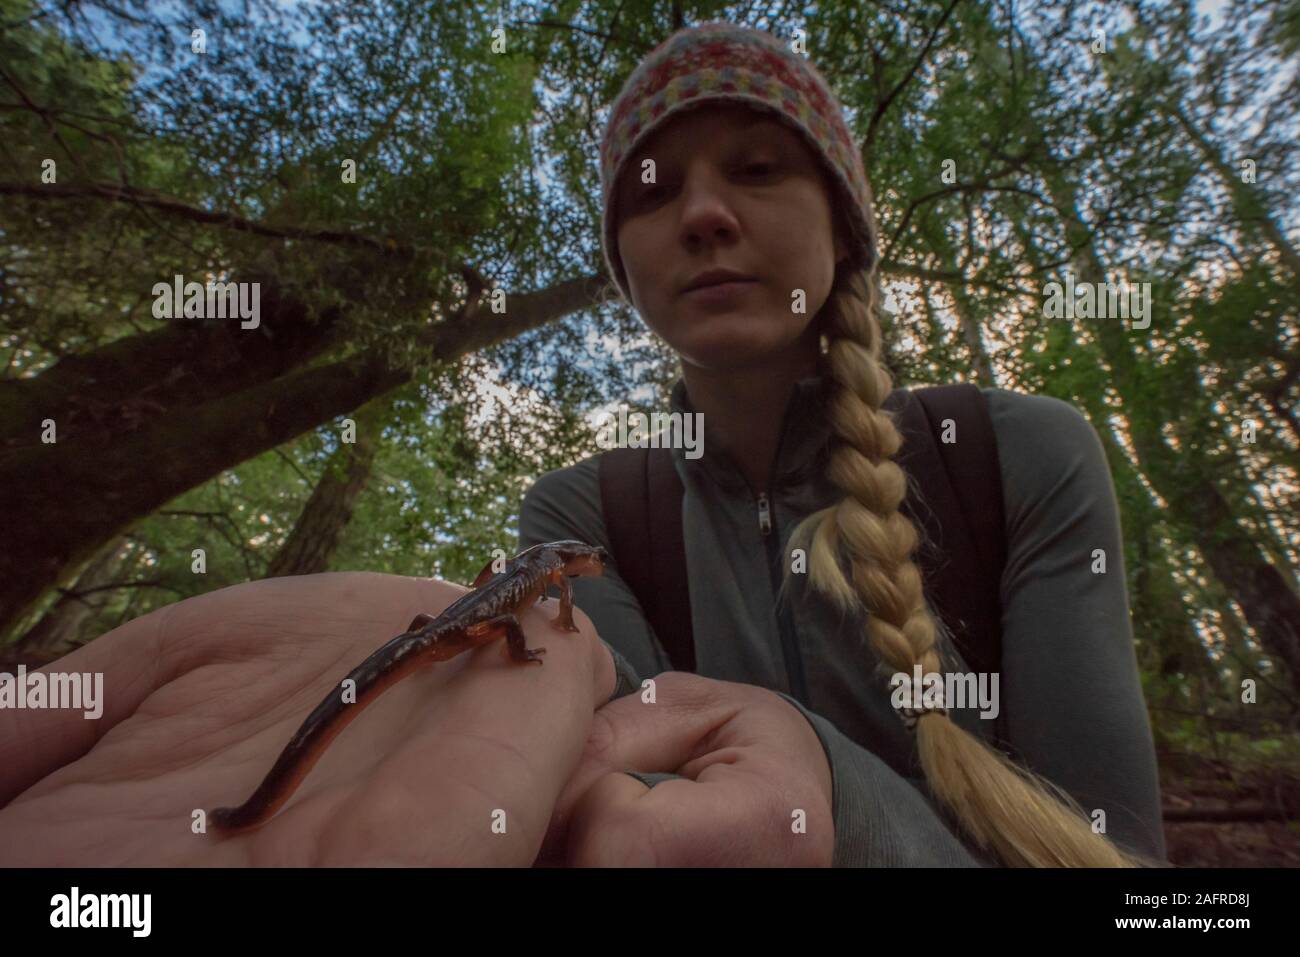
{"type": "Point", "coordinates": [631, 733]}
{"type": "Point", "coordinates": [123, 666]}
{"type": "Point", "coordinates": [590, 843]}
{"type": "Point", "coordinates": [620, 822]}
{"type": "Point", "coordinates": [556, 850]}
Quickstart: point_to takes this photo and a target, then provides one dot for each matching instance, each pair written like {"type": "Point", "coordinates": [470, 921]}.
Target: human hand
{"type": "Point", "coordinates": [202, 695]}
{"type": "Point", "coordinates": [753, 759]}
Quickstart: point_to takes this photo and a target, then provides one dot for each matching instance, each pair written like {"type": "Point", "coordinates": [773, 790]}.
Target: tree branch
{"type": "Point", "coordinates": [44, 115]}
{"type": "Point", "coordinates": [154, 583]}
{"type": "Point", "coordinates": [557, 25]}
{"type": "Point", "coordinates": [293, 465]}
{"type": "Point", "coordinates": [883, 106]}
{"type": "Point", "coordinates": [144, 197]}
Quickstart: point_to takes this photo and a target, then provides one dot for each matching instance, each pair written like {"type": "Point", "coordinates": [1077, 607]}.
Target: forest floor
{"type": "Point", "coordinates": [1219, 788]}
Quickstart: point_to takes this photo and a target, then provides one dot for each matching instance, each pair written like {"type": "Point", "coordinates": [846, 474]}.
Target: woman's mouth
{"type": "Point", "coordinates": [720, 292]}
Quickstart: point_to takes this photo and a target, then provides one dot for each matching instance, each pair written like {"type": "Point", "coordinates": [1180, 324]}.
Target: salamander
{"type": "Point", "coordinates": [485, 613]}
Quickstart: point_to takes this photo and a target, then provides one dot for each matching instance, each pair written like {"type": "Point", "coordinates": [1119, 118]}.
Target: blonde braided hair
{"type": "Point", "coordinates": [1025, 819]}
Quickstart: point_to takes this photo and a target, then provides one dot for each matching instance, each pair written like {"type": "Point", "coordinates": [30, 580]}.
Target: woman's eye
{"type": "Point", "coordinates": [657, 192]}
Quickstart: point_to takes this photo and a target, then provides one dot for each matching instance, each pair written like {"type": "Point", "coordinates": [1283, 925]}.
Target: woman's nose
{"type": "Point", "coordinates": [706, 207]}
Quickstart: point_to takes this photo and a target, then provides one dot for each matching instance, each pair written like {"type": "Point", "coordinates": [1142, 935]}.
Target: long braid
{"type": "Point", "coordinates": [1022, 817]}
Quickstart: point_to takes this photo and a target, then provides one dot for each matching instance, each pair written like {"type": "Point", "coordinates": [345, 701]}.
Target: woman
{"type": "Point", "coordinates": [726, 151]}
{"type": "Point", "coordinates": [481, 761]}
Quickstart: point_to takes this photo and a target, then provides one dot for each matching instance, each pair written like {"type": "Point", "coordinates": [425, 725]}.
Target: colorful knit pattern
{"type": "Point", "coordinates": [722, 62]}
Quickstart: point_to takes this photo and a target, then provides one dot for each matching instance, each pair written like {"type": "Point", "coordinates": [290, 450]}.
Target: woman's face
{"type": "Point", "coordinates": [735, 188]}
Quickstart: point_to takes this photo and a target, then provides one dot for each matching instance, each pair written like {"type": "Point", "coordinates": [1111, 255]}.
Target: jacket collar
{"type": "Point", "coordinates": [804, 438]}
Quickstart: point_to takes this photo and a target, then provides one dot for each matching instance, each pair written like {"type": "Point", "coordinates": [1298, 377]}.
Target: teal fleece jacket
{"type": "Point", "coordinates": [1069, 699]}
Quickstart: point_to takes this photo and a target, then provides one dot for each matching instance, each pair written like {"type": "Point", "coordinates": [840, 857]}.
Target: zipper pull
{"type": "Point", "coordinates": [764, 515]}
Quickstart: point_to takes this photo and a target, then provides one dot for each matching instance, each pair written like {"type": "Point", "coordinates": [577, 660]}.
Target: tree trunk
{"type": "Point", "coordinates": [61, 625]}
{"type": "Point", "coordinates": [187, 362]}
{"type": "Point", "coordinates": [66, 499]}
{"type": "Point", "coordinates": [1154, 596]}
{"type": "Point", "coordinates": [316, 534]}
{"type": "Point", "coordinates": [1251, 210]}
{"type": "Point", "coordinates": [1181, 476]}
{"type": "Point", "coordinates": [969, 326]}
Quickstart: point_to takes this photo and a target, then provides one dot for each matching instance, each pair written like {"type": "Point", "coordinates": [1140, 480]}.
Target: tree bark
{"type": "Point", "coordinates": [1181, 476]}
{"type": "Point", "coordinates": [64, 500]}
{"type": "Point", "coordinates": [187, 362]}
{"type": "Point", "coordinates": [1251, 210]}
{"type": "Point", "coordinates": [321, 523]}
{"type": "Point", "coordinates": [61, 625]}
{"type": "Point", "coordinates": [1154, 596]}
{"type": "Point", "coordinates": [969, 326]}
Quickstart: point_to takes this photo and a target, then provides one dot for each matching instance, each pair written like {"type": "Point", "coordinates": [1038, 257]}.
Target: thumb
{"type": "Point", "coordinates": [619, 822]}
{"type": "Point", "coordinates": [661, 731]}
{"type": "Point", "coordinates": [589, 843]}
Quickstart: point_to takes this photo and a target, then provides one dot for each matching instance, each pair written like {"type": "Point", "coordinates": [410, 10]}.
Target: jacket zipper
{"type": "Point", "coordinates": [764, 515]}
{"type": "Point", "coordinates": [784, 620]}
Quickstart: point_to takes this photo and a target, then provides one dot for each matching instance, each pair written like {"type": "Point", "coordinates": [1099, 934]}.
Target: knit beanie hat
{"type": "Point", "coordinates": [721, 62]}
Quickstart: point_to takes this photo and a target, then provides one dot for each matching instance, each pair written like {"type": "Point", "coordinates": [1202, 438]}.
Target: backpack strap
{"type": "Point", "coordinates": [959, 506]}
{"type": "Point", "coordinates": [650, 554]}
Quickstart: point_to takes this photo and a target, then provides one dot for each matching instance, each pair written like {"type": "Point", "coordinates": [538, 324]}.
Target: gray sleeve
{"type": "Point", "coordinates": [1070, 690]}
{"type": "Point", "coordinates": [881, 819]}
{"type": "Point", "coordinates": [565, 504]}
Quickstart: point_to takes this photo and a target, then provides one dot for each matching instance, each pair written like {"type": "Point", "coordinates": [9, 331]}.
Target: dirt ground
{"type": "Point", "coordinates": [1261, 844]}
{"type": "Point", "coordinates": [1234, 843]}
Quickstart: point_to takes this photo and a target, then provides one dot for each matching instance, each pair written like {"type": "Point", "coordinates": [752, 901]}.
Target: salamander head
{"type": "Point", "coordinates": [580, 558]}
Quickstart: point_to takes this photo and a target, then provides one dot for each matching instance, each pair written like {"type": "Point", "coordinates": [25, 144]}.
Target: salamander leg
{"type": "Point", "coordinates": [509, 624]}
{"type": "Point", "coordinates": [419, 621]}
{"type": "Point", "coordinates": [563, 621]}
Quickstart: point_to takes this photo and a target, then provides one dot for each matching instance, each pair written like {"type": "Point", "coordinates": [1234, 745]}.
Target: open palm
{"type": "Point", "coordinates": [460, 763]}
